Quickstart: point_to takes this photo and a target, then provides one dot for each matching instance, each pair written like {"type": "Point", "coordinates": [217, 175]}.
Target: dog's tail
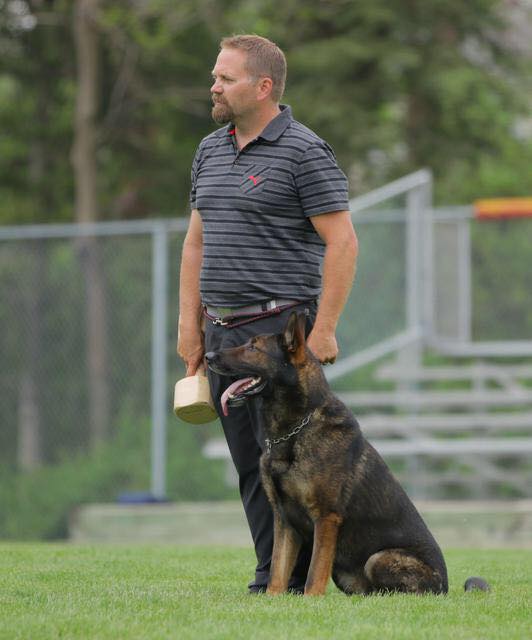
{"type": "Point", "coordinates": [474, 583]}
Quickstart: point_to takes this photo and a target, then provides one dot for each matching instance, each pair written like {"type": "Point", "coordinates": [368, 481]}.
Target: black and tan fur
{"type": "Point", "coordinates": [327, 483]}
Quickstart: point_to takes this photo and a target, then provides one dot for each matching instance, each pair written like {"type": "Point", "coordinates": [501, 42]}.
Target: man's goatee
{"type": "Point", "coordinates": [221, 114]}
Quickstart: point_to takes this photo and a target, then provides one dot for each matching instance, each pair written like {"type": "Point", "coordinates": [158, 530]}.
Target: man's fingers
{"type": "Point", "coordinates": [195, 367]}
{"type": "Point", "coordinates": [192, 369]}
{"type": "Point", "coordinates": [201, 369]}
{"type": "Point", "coordinates": [192, 355]}
{"type": "Point", "coordinates": [324, 348]}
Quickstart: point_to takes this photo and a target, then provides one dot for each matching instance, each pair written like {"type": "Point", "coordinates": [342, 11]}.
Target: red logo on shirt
{"type": "Point", "coordinates": [254, 179]}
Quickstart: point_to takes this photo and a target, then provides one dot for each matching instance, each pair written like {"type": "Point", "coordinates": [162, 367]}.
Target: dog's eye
{"type": "Point", "coordinates": [252, 347]}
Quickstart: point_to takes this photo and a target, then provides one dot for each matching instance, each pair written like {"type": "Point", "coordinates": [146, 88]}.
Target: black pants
{"type": "Point", "coordinates": [245, 439]}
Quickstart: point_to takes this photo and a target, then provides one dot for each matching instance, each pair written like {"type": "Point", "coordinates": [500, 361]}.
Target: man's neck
{"type": "Point", "coordinates": [248, 129]}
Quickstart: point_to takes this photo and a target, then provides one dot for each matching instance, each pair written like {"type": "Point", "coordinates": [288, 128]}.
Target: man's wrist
{"type": "Point", "coordinates": [189, 324]}
{"type": "Point", "coordinates": [325, 326]}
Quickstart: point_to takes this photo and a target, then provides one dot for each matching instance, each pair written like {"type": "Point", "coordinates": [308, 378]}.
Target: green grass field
{"type": "Point", "coordinates": [64, 591]}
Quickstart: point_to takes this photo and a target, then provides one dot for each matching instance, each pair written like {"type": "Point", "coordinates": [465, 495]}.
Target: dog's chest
{"type": "Point", "coordinates": [293, 485]}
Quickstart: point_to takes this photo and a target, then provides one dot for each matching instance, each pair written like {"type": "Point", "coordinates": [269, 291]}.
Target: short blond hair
{"type": "Point", "coordinates": [264, 58]}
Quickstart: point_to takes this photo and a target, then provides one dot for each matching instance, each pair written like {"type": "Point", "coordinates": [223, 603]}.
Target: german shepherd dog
{"type": "Point", "coordinates": [325, 482]}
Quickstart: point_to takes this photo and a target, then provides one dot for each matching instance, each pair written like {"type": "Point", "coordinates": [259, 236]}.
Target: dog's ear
{"type": "Point", "coordinates": [294, 333]}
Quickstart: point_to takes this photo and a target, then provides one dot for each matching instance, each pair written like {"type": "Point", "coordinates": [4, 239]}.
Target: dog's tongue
{"type": "Point", "coordinates": [231, 389]}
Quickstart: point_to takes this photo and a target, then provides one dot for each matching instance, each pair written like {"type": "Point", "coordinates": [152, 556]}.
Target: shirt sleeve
{"type": "Point", "coordinates": [321, 184]}
{"type": "Point", "coordinates": [193, 179]}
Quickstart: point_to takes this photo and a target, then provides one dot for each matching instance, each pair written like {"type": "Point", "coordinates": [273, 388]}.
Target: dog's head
{"type": "Point", "coordinates": [264, 362]}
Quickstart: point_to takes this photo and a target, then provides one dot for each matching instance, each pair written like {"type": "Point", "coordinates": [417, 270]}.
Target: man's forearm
{"type": "Point", "coordinates": [190, 339]}
{"type": "Point", "coordinates": [339, 267]}
{"type": "Point", "coordinates": [189, 292]}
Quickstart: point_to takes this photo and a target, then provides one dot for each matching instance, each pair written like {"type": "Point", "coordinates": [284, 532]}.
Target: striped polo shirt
{"type": "Point", "coordinates": [255, 205]}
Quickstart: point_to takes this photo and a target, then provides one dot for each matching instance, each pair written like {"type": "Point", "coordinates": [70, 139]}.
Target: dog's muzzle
{"type": "Point", "coordinates": [240, 390]}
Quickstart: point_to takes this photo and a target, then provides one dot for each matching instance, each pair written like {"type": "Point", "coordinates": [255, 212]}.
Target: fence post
{"type": "Point", "coordinates": [158, 359]}
{"type": "Point", "coordinates": [465, 293]}
{"type": "Point", "coordinates": [414, 258]}
{"type": "Point", "coordinates": [427, 252]}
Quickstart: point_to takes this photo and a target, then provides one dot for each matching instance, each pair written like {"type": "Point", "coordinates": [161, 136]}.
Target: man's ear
{"type": "Point", "coordinates": [264, 88]}
{"type": "Point", "coordinates": [294, 333]}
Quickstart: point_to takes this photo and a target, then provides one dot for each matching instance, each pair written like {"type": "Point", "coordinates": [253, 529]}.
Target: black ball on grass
{"type": "Point", "coordinates": [476, 584]}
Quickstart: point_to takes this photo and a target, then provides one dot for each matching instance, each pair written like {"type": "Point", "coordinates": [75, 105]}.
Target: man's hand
{"type": "Point", "coordinates": [323, 346]}
{"type": "Point", "coordinates": [191, 349]}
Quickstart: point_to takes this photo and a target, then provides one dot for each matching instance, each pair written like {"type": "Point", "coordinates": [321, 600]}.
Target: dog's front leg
{"type": "Point", "coordinates": [323, 552]}
{"type": "Point", "coordinates": [286, 545]}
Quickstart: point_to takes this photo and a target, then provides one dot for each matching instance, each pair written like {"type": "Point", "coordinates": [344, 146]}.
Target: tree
{"type": "Point", "coordinates": [86, 208]}
{"type": "Point", "coordinates": [396, 85]}
{"type": "Point", "coordinates": [36, 80]}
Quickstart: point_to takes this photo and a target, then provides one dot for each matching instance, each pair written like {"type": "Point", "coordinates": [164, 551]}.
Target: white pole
{"type": "Point", "coordinates": [158, 360]}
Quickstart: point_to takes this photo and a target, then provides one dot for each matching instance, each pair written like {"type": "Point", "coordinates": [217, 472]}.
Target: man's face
{"type": "Point", "coordinates": [233, 92]}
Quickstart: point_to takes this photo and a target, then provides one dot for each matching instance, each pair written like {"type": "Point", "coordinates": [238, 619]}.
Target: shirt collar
{"type": "Point", "coordinates": [274, 129]}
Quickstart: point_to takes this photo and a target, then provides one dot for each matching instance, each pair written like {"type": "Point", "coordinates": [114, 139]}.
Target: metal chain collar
{"type": "Point", "coordinates": [295, 431]}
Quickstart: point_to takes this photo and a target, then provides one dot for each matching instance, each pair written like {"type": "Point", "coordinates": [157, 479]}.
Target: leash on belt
{"type": "Point", "coordinates": [244, 315]}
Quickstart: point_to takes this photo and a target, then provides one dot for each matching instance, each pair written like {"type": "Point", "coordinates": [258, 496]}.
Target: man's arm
{"type": "Point", "coordinates": [339, 265]}
{"type": "Point", "coordinates": [190, 344]}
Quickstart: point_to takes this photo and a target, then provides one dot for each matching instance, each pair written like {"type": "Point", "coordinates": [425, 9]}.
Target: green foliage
{"type": "Point", "coordinates": [392, 86]}
{"type": "Point", "coordinates": [396, 86]}
{"type": "Point", "coordinates": [36, 505]}
{"type": "Point", "coordinates": [36, 111]}
{"type": "Point", "coordinates": [159, 54]}
{"type": "Point", "coordinates": [190, 475]}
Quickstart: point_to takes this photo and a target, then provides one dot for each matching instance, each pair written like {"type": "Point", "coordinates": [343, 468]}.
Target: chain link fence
{"type": "Point", "coordinates": [481, 278]}
{"type": "Point", "coordinates": [76, 330]}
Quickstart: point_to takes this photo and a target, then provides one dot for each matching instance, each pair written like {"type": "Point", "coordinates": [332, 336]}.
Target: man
{"type": "Point", "coordinates": [269, 232]}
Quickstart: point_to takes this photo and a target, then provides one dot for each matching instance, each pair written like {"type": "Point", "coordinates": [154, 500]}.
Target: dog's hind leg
{"type": "Point", "coordinates": [286, 545]}
{"type": "Point", "coordinates": [323, 551]}
{"type": "Point", "coordinates": [351, 582]}
{"type": "Point", "coordinates": [397, 570]}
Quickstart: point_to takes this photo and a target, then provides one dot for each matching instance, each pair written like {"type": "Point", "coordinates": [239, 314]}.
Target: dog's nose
{"type": "Point", "coordinates": [210, 356]}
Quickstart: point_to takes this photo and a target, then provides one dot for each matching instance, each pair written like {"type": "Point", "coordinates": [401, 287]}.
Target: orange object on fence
{"type": "Point", "coordinates": [500, 208]}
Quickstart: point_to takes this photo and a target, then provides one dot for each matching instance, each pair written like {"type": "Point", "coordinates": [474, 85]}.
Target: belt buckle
{"type": "Point", "coordinates": [223, 311]}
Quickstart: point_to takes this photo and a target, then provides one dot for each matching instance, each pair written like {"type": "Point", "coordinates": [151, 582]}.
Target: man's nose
{"type": "Point", "coordinates": [216, 87]}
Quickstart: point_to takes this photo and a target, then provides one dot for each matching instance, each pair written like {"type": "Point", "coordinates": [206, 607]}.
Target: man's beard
{"type": "Point", "coordinates": [222, 113]}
